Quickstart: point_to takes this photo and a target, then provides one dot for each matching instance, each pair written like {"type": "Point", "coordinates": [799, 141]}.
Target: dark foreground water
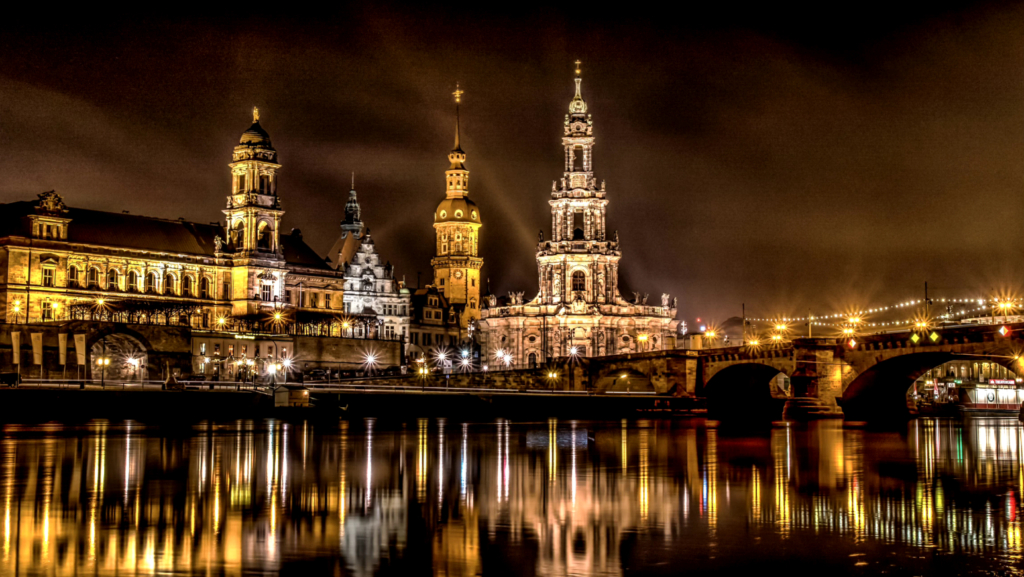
{"type": "Point", "coordinates": [436, 497]}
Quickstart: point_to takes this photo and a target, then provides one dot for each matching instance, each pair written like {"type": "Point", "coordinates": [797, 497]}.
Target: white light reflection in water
{"type": "Point", "coordinates": [463, 464]}
{"type": "Point", "coordinates": [440, 462]}
{"type": "Point", "coordinates": [369, 465]}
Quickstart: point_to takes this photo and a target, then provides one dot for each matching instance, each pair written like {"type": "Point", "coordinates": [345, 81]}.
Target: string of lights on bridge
{"type": "Point", "coordinates": [858, 317]}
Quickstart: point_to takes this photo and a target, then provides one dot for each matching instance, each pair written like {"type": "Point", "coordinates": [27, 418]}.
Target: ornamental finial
{"type": "Point", "coordinates": [255, 115]}
{"type": "Point", "coordinates": [458, 99]}
{"type": "Point", "coordinates": [578, 105]}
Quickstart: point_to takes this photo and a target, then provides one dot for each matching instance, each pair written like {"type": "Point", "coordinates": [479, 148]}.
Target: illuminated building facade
{"type": "Point", "coordinates": [578, 309]}
{"type": "Point", "coordinates": [374, 302]}
{"type": "Point", "coordinates": [61, 263]}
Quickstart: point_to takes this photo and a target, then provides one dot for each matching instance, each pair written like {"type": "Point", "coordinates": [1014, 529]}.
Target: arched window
{"type": "Point", "coordinates": [94, 277]}
{"type": "Point", "coordinates": [204, 288]}
{"type": "Point", "coordinates": [186, 286]}
{"type": "Point", "coordinates": [533, 360]}
{"type": "Point", "coordinates": [238, 234]}
{"type": "Point", "coordinates": [579, 281]}
{"type": "Point", "coordinates": [111, 279]}
{"type": "Point", "coordinates": [169, 284]}
{"type": "Point", "coordinates": [133, 281]}
{"type": "Point", "coordinates": [263, 236]}
{"type": "Point", "coordinates": [73, 276]}
{"type": "Point", "coordinates": [151, 282]}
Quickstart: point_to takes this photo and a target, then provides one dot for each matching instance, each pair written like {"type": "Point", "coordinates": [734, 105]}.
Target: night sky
{"type": "Point", "coordinates": [787, 159]}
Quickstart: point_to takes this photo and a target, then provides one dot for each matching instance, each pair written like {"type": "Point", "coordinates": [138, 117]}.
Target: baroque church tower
{"type": "Point", "coordinates": [579, 266]}
{"type": "Point", "coordinates": [253, 220]}
{"type": "Point", "coordinates": [578, 310]}
{"type": "Point", "coordinates": [457, 229]}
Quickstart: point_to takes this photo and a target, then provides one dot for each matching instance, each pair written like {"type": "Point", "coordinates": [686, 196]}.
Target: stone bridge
{"type": "Point", "coordinates": [831, 378]}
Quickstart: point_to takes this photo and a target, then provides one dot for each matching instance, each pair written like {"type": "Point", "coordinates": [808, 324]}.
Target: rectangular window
{"type": "Point", "coordinates": [266, 290]}
{"type": "Point", "coordinates": [47, 311]}
{"type": "Point", "coordinates": [472, 282]}
{"type": "Point", "coordinates": [284, 353]}
{"type": "Point", "coordinates": [245, 350]}
{"type": "Point", "coordinates": [288, 296]}
{"type": "Point", "coordinates": [202, 348]}
{"type": "Point", "coordinates": [327, 301]}
{"type": "Point", "coordinates": [231, 350]}
{"type": "Point", "coordinates": [440, 281]}
{"type": "Point", "coordinates": [48, 276]}
{"type": "Point", "coordinates": [216, 349]}
{"type": "Point", "coordinates": [313, 301]}
{"type": "Point", "coordinates": [256, 350]}
{"type": "Point", "coordinates": [225, 291]}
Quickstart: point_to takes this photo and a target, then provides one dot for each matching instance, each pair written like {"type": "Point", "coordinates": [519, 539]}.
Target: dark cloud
{"type": "Point", "coordinates": [789, 161]}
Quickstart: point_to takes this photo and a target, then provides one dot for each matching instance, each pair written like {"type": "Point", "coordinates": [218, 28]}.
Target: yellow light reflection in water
{"type": "Point", "coordinates": [421, 462]}
{"type": "Point", "coordinates": [644, 475]}
{"type": "Point", "coordinates": [552, 450]}
{"type": "Point", "coordinates": [342, 481]}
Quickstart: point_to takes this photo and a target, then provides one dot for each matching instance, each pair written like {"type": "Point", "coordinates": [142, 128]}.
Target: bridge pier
{"type": "Point", "coordinates": [816, 381]}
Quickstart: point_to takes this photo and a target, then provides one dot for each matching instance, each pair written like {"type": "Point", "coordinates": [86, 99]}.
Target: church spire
{"type": "Point", "coordinates": [578, 105]}
{"type": "Point", "coordinates": [353, 213]}
{"type": "Point", "coordinates": [457, 156]}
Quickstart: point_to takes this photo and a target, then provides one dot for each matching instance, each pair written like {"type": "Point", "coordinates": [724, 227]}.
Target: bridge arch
{"type": "Point", "coordinates": [744, 390]}
{"type": "Point", "coordinates": [623, 379]}
{"type": "Point", "coordinates": [127, 350]}
{"type": "Point", "coordinates": [880, 390]}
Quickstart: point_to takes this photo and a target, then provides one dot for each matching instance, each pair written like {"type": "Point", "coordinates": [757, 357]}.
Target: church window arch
{"type": "Point", "coordinates": [93, 277]}
{"type": "Point", "coordinates": [579, 281]}
{"type": "Point", "coordinates": [169, 283]}
{"type": "Point", "coordinates": [263, 235]}
{"type": "Point", "coordinates": [186, 285]}
{"type": "Point", "coordinates": [111, 278]}
{"type": "Point", "coordinates": [133, 281]}
{"type": "Point", "coordinates": [238, 233]}
{"type": "Point", "coordinates": [151, 282]}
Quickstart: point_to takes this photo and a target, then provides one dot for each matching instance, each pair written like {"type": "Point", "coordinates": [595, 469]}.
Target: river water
{"type": "Point", "coordinates": [444, 497]}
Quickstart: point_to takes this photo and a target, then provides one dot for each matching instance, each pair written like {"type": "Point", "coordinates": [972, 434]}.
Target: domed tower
{"type": "Point", "coordinates": [254, 209]}
{"type": "Point", "coordinates": [457, 228]}
{"type": "Point", "coordinates": [253, 220]}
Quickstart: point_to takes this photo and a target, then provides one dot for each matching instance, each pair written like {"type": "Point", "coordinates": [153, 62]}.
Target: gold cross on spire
{"type": "Point", "coordinates": [255, 114]}
{"type": "Point", "coordinates": [458, 93]}
{"type": "Point", "coordinates": [578, 71]}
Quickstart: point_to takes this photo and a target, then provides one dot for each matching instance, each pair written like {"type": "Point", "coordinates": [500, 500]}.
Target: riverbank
{"type": "Point", "coordinates": [40, 405]}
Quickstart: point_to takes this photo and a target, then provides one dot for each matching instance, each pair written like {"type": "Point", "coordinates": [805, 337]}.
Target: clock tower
{"type": "Point", "coordinates": [457, 229]}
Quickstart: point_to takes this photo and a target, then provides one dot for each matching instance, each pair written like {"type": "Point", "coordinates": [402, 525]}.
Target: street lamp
{"type": "Point", "coordinates": [103, 362]}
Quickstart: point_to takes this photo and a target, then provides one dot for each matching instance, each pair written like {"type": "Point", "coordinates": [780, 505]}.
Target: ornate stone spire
{"type": "Point", "coordinates": [578, 105]}
{"type": "Point", "coordinates": [353, 213]}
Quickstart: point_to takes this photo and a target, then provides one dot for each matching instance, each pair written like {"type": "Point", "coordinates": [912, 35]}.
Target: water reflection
{"type": "Point", "coordinates": [551, 498]}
